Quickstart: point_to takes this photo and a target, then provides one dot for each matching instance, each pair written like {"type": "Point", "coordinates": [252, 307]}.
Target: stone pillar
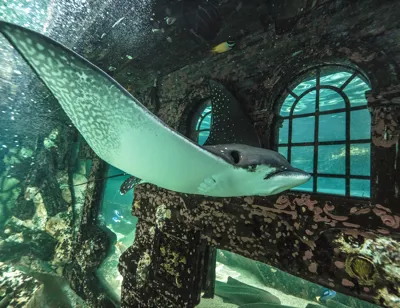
{"type": "Point", "coordinates": [385, 110]}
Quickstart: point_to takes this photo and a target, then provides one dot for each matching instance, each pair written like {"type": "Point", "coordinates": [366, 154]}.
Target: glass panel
{"type": "Point", "coordinates": [287, 105]}
{"type": "Point", "coordinates": [203, 136]}
{"type": "Point", "coordinates": [284, 132]}
{"type": "Point", "coordinates": [332, 159]}
{"type": "Point", "coordinates": [355, 91]}
{"type": "Point", "coordinates": [330, 100]}
{"type": "Point", "coordinates": [332, 127]}
{"type": "Point", "coordinates": [308, 186]}
{"type": "Point", "coordinates": [360, 159]}
{"type": "Point", "coordinates": [360, 188]}
{"type": "Point", "coordinates": [331, 186]}
{"type": "Point", "coordinates": [336, 79]}
{"type": "Point", "coordinates": [205, 123]}
{"type": "Point", "coordinates": [283, 151]}
{"type": "Point", "coordinates": [304, 86]}
{"type": "Point", "coordinates": [360, 124]}
{"type": "Point", "coordinates": [303, 158]}
{"type": "Point", "coordinates": [306, 104]}
{"type": "Point", "coordinates": [303, 129]}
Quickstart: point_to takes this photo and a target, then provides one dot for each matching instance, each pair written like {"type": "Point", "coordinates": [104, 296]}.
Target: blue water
{"type": "Point", "coordinates": [204, 124]}
{"type": "Point", "coordinates": [115, 205]}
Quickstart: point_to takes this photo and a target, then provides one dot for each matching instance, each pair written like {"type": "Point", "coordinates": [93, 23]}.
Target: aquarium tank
{"type": "Point", "coordinates": [199, 153]}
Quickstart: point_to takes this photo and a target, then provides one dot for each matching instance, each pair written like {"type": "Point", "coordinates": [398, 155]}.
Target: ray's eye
{"type": "Point", "coordinates": [235, 156]}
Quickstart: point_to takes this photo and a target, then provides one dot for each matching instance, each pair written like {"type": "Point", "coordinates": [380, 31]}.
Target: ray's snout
{"type": "Point", "coordinates": [302, 173]}
{"type": "Point", "coordinates": [296, 176]}
{"type": "Point", "coordinates": [289, 178]}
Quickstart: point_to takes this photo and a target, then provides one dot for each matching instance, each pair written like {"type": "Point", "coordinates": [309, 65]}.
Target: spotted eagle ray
{"type": "Point", "coordinates": [125, 134]}
{"type": "Point", "coordinates": [230, 125]}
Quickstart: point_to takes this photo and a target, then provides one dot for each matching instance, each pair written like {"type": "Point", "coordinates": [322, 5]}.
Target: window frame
{"type": "Point", "coordinates": [316, 71]}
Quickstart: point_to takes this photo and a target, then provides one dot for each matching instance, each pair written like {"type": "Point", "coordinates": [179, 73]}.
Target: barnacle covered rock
{"type": "Point", "coordinates": [59, 225]}
{"type": "Point", "coordinates": [16, 288]}
{"type": "Point", "coordinates": [25, 153]}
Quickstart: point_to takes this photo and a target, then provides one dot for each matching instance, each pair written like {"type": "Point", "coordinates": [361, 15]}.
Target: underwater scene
{"type": "Point", "coordinates": [199, 153]}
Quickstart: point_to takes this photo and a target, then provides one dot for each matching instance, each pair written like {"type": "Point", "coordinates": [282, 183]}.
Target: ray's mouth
{"type": "Point", "coordinates": [273, 174]}
{"type": "Point", "coordinates": [292, 173]}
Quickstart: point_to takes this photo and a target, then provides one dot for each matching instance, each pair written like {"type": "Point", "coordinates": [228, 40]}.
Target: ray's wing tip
{"type": "Point", "coordinates": [5, 24]}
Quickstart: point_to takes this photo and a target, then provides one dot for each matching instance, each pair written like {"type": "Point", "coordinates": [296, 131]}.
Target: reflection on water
{"type": "Point", "coordinates": [337, 79]}
{"type": "Point", "coordinates": [331, 159]}
{"type": "Point", "coordinates": [328, 98]}
{"type": "Point", "coordinates": [304, 86]}
{"type": "Point", "coordinates": [306, 104]}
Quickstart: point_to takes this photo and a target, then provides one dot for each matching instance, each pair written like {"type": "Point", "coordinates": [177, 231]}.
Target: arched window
{"type": "Point", "coordinates": [202, 123]}
{"type": "Point", "coordinates": [325, 130]}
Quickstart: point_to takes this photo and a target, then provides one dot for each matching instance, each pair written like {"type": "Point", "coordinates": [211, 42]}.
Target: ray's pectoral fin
{"type": "Point", "coordinates": [129, 184]}
{"type": "Point", "coordinates": [207, 185]}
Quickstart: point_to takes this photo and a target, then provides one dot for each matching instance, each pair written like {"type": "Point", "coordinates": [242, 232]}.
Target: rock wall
{"type": "Point", "coordinates": [16, 288]}
{"type": "Point", "coordinates": [44, 203]}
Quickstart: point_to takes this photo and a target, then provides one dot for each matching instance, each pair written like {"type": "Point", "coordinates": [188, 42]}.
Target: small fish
{"type": "Point", "coordinates": [224, 47]}
{"type": "Point", "coordinates": [326, 294]}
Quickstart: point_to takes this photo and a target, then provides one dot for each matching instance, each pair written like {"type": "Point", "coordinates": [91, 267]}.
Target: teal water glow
{"type": "Point", "coordinates": [204, 124]}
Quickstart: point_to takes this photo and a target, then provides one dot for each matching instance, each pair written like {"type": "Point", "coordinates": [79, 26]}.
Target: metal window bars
{"type": "Point", "coordinates": [316, 143]}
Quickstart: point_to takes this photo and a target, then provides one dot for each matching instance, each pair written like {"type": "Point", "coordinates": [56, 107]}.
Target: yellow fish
{"type": "Point", "coordinates": [223, 47]}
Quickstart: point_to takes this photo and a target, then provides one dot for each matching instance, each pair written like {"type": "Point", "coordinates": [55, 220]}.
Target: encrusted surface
{"type": "Point", "coordinates": [302, 235]}
{"type": "Point", "coordinates": [48, 226]}
{"type": "Point", "coordinates": [16, 288]}
{"type": "Point", "coordinates": [91, 244]}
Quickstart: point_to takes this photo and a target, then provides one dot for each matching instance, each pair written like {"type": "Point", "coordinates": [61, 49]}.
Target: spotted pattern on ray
{"type": "Point", "coordinates": [230, 124]}
{"type": "Point", "coordinates": [68, 77]}
{"type": "Point", "coordinates": [126, 135]}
